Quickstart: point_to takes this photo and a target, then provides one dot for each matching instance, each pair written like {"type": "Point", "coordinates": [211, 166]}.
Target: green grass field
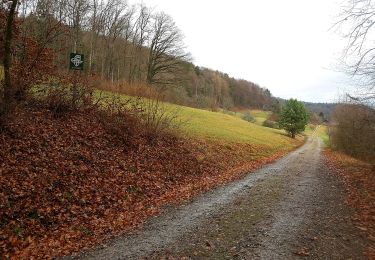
{"type": "Point", "coordinates": [214, 125]}
{"type": "Point", "coordinates": [259, 115]}
{"type": "Point", "coordinates": [199, 123]}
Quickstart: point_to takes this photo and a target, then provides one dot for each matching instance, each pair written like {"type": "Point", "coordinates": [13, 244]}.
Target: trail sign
{"type": "Point", "coordinates": [76, 61]}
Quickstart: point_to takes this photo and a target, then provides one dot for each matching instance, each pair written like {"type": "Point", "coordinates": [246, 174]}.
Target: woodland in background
{"type": "Point", "coordinates": [126, 47]}
{"type": "Point", "coordinates": [323, 110]}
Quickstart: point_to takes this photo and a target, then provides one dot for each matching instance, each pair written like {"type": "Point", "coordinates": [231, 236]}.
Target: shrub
{"type": "Point", "coordinates": [271, 124]}
{"type": "Point", "coordinates": [248, 117]}
{"type": "Point", "coordinates": [119, 117]}
{"type": "Point", "coordinates": [152, 116]}
{"type": "Point", "coordinates": [229, 112]}
{"type": "Point", "coordinates": [353, 131]}
{"type": "Point", "coordinates": [61, 96]}
{"type": "Point", "coordinates": [158, 116]}
{"type": "Point", "coordinates": [274, 117]}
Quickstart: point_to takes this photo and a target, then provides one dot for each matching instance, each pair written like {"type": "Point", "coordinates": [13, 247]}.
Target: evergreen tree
{"type": "Point", "coordinates": [294, 117]}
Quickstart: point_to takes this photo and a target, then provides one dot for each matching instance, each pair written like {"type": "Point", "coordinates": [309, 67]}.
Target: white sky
{"type": "Point", "coordinates": [285, 46]}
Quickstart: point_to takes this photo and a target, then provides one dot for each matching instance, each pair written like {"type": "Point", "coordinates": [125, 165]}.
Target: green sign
{"type": "Point", "coordinates": [76, 61]}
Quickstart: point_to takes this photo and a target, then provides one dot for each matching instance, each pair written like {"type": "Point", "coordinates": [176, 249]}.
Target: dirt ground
{"type": "Point", "coordinates": [294, 208]}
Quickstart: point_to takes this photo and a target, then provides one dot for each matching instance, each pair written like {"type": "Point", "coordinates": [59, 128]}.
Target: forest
{"type": "Point", "coordinates": [126, 47]}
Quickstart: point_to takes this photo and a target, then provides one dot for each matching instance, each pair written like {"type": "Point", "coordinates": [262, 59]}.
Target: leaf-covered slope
{"type": "Point", "coordinates": [67, 183]}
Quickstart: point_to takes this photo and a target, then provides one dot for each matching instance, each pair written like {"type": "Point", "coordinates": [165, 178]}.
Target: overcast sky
{"type": "Point", "coordinates": [285, 46]}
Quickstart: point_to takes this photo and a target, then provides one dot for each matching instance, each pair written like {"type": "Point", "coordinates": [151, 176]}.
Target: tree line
{"type": "Point", "coordinates": [207, 88]}
{"type": "Point", "coordinates": [123, 44]}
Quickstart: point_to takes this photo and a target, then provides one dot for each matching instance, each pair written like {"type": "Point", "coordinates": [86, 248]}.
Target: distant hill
{"type": "Point", "coordinates": [325, 108]}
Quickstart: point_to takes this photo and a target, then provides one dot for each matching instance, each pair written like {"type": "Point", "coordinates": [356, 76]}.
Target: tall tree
{"type": "Point", "coordinates": [77, 11]}
{"type": "Point", "coordinates": [357, 22]}
{"type": "Point", "coordinates": [115, 22]}
{"type": "Point", "coordinates": [8, 88]}
{"type": "Point", "coordinates": [140, 36]}
{"type": "Point", "coordinates": [166, 51]}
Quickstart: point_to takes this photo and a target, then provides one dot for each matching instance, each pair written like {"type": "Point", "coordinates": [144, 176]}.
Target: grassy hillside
{"type": "Point", "coordinates": [218, 126]}
{"type": "Point", "coordinates": [260, 115]}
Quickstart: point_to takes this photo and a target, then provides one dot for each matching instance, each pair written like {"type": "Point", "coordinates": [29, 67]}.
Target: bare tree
{"type": "Point", "coordinates": [48, 20]}
{"type": "Point", "coordinates": [166, 50]}
{"type": "Point", "coordinates": [353, 131]}
{"type": "Point", "coordinates": [94, 30]}
{"type": "Point", "coordinates": [140, 36]}
{"type": "Point", "coordinates": [114, 24]}
{"type": "Point", "coordinates": [8, 88]}
{"type": "Point", "coordinates": [128, 32]}
{"type": "Point", "coordinates": [77, 11]}
{"type": "Point", "coordinates": [356, 24]}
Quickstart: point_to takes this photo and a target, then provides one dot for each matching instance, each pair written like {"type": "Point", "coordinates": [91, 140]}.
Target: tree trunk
{"type": "Point", "coordinates": [8, 88]}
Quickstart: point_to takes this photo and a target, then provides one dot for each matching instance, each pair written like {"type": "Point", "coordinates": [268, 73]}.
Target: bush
{"type": "Point", "coordinates": [158, 116]}
{"type": "Point", "coordinates": [57, 100]}
{"type": "Point", "coordinates": [353, 131]}
{"type": "Point", "coordinates": [61, 96]}
{"type": "Point", "coordinates": [119, 118]}
{"type": "Point", "coordinates": [271, 124]}
{"type": "Point", "coordinates": [248, 117]}
{"type": "Point", "coordinates": [153, 116]}
{"type": "Point", "coordinates": [274, 117]}
{"type": "Point", "coordinates": [229, 112]}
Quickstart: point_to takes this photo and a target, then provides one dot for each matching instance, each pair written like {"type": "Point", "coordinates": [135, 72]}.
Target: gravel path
{"type": "Point", "coordinates": [290, 209]}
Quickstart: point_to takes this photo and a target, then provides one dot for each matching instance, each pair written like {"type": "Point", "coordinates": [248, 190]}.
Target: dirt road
{"type": "Point", "coordinates": [291, 209]}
